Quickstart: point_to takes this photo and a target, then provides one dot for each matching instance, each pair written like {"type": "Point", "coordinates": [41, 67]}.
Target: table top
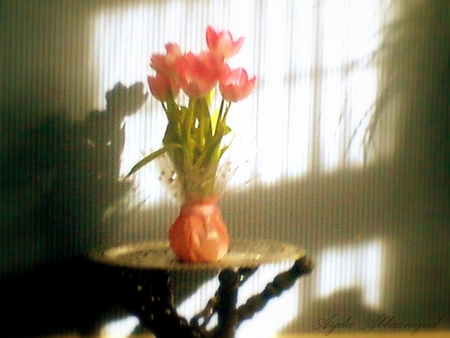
{"type": "Point", "coordinates": [157, 255]}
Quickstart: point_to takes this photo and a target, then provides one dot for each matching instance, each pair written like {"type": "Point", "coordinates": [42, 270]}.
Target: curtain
{"type": "Point", "coordinates": [317, 69]}
{"type": "Point", "coordinates": [342, 149]}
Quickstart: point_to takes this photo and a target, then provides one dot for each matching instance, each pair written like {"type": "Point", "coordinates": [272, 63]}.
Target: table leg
{"type": "Point", "coordinates": [227, 312]}
{"type": "Point", "coordinates": [281, 283]}
{"type": "Point", "coordinates": [147, 296]}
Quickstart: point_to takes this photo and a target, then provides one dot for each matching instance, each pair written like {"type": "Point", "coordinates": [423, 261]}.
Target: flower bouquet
{"type": "Point", "coordinates": [194, 137]}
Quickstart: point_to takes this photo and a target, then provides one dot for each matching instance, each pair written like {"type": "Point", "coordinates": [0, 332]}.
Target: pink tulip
{"type": "Point", "coordinates": [166, 64]}
{"type": "Point", "coordinates": [198, 74]}
{"type": "Point", "coordinates": [161, 87]}
{"type": "Point", "coordinates": [234, 85]}
{"type": "Point", "coordinates": [166, 80]}
{"type": "Point", "coordinates": [222, 43]}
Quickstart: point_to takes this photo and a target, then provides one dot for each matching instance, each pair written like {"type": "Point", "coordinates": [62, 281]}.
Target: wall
{"type": "Point", "coordinates": [52, 200]}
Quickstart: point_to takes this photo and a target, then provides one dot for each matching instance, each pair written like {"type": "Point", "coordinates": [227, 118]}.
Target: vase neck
{"type": "Point", "coordinates": [202, 207]}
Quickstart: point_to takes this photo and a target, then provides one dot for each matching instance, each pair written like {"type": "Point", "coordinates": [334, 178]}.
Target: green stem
{"type": "Point", "coordinates": [188, 126]}
{"type": "Point", "coordinates": [219, 117]}
{"type": "Point", "coordinates": [226, 112]}
{"type": "Point", "coordinates": [164, 107]}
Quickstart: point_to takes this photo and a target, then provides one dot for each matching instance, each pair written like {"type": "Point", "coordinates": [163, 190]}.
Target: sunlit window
{"type": "Point", "coordinates": [317, 84]}
{"type": "Point", "coordinates": [355, 267]}
{"type": "Point", "coordinates": [313, 58]}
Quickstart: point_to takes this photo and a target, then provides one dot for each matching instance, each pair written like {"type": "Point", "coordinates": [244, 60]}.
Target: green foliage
{"type": "Point", "coordinates": [194, 143]}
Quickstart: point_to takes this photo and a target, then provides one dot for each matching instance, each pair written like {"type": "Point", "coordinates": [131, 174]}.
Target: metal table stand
{"type": "Point", "coordinates": [144, 271]}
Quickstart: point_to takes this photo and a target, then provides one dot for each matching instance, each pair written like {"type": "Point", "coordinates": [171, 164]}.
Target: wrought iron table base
{"type": "Point", "coordinates": [146, 295]}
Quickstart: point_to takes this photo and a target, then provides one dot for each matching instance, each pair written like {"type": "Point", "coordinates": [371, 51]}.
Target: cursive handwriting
{"type": "Point", "coordinates": [385, 322]}
{"type": "Point", "coordinates": [329, 325]}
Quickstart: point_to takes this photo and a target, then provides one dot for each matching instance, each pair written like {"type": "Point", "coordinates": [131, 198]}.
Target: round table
{"type": "Point", "coordinates": [144, 269]}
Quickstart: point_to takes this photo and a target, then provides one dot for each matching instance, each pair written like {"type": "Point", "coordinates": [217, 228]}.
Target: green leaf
{"type": "Point", "coordinates": [172, 110]}
{"type": "Point", "coordinates": [147, 159]}
{"type": "Point", "coordinates": [209, 97]}
{"type": "Point", "coordinates": [214, 118]}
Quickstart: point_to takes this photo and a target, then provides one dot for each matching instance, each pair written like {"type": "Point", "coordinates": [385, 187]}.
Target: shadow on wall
{"type": "Point", "coordinates": [58, 179]}
{"type": "Point", "coordinates": [65, 176]}
{"type": "Point", "coordinates": [403, 212]}
{"type": "Point", "coordinates": [406, 211]}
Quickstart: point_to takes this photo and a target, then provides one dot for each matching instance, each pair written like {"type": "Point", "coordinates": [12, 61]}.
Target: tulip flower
{"type": "Point", "coordinates": [222, 43]}
{"type": "Point", "coordinates": [166, 64]}
{"type": "Point", "coordinates": [163, 87]}
{"type": "Point", "coordinates": [234, 85]}
{"type": "Point", "coordinates": [198, 75]}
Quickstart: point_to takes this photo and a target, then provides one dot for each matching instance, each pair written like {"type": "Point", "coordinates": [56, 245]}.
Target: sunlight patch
{"type": "Point", "coordinates": [278, 312]}
{"type": "Point", "coordinates": [311, 98]}
{"type": "Point", "coordinates": [120, 328]}
{"type": "Point", "coordinates": [353, 267]}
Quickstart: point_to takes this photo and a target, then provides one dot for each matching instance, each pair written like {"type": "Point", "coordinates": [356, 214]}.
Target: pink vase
{"type": "Point", "coordinates": [199, 234]}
